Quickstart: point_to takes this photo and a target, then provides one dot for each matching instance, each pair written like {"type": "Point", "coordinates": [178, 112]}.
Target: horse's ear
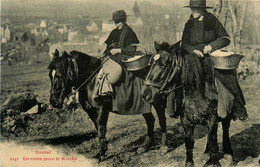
{"type": "Point", "coordinates": [65, 54]}
{"type": "Point", "coordinates": [165, 45]}
{"type": "Point", "coordinates": [56, 53]}
{"type": "Point", "coordinates": [156, 46]}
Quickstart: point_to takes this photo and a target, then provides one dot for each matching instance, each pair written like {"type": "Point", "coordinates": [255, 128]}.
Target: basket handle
{"type": "Point", "coordinates": [138, 45]}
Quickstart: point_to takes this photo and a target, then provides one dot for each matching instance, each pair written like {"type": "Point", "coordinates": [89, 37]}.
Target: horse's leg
{"type": "Point", "coordinates": [160, 110]}
{"type": "Point", "coordinates": [149, 119]}
{"type": "Point", "coordinates": [213, 141]}
{"type": "Point", "coordinates": [91, 111]}
{"type": "Point", "coordinates": [227, 149]}
{"type": "Point", "coordinates": [189, 141]}
{"type": "Point", "coordinates": [102, 128]}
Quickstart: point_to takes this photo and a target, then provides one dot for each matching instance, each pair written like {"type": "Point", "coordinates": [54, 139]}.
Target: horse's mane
{"type": "Point", "coordinates": [86, 63]}
{"type": "Point", "coordinates": [192, 74]}
{"type": "Point", "coordinates": [191, 71]}
{"type": "Point", "coordinates": [83, 57]}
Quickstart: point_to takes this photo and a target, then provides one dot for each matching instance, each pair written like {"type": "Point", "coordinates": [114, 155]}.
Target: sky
{"type": "Point", "coordinates": [118, 3]}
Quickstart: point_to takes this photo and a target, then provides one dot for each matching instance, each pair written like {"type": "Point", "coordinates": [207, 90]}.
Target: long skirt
{"type": "Point", "coordinates": [128, 99]}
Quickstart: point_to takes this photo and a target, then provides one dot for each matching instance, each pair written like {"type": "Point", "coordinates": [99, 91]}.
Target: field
{"type": "Point", "coordinates": [124, 132]}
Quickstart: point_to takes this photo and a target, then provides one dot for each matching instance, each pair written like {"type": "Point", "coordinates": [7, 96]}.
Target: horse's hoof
{"type": "Point", "coordinates": [141, 150]}
{"type": "Point", "coordinates": [211, 163]}
{"type": "Point", "coordinates": [163, 150]}
{"type": "Point", "coordinates": [217, 164]}
{"type": "Point", "coordinates": [146, 146]}
{"type": "Point", "coordinates": [227, 160]}
{"type": "Point", "coordinates": [189, 164]}
{"type": "Point", "coordinates": [97, 158]}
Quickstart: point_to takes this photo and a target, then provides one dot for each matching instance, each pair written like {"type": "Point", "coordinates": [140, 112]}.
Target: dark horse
{"type": "Point", "coordinates": [69, 71]}
{"type": "Point", "coordinates": [165, 72]}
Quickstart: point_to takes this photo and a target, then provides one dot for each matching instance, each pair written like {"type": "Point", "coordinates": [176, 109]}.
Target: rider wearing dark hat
{"type": "Point", "coordinates": [203, 34]}
{"type": "Point", "coordinates": [122, 37]}
{"type": "Point", "coordinates": [128, 89]}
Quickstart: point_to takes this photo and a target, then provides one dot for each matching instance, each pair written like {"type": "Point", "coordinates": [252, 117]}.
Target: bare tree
{"type": "Point", "coordinates": [237, 16]}
{"type": "Point", "coordinates": [217, 8]}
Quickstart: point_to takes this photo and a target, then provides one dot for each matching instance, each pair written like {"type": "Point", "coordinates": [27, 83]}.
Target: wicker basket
{"type": "Point", "coordinates": [139, 61]}
{"type": "Point", "coordinates": [225, 60]}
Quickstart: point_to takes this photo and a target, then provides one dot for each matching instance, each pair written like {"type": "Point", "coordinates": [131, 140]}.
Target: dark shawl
{"type": "Point", "coordinates": [128, 99]}
{"type": "Point", "coordinates": [196, 35]}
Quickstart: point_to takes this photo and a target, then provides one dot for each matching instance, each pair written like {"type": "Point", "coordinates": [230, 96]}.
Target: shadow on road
{"type": "Point", "coordinates": [246, 143]}
{"type": "Point", "coordinates": [71, 141]}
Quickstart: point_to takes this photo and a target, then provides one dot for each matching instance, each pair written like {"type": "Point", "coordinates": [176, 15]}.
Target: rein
{"type": "Point", "coordinates": [106, 59]}
{"type": "Point", "coordinates": [91, 75]}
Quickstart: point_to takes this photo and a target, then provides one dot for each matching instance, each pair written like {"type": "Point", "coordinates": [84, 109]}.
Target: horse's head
{"type": "Point", "coordinates": [60, 76]}
{"type": "Point", "coordinates": [164, 66]}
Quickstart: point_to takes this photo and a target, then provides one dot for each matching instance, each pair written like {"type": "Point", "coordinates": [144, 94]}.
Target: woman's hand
{"type": "Point", "coordinates": [198, 53]}
{"type": "Point", "coordinates": [115, 51]}
{"type": "Point", "coordinates": [207, 49]}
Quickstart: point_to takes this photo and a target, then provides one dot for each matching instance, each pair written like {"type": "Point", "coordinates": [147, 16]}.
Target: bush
{"type": "Point", "coordinates": [247, 68]}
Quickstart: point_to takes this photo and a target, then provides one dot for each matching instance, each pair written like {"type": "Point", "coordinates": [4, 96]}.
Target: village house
{"type": "Point", "coordinates": [62, 29]}
{"type": "Point", "coordinates": [71, 34]}
{"type": "Point", "coordinates": [45, 34]}
{"type": "Point", "coordinates": [43, 24]}
{"type": "Point", "coordinates": [37, 31]}
{"type": "Point", "coordinates": [92, 27]}
{"type": "Point", "coordinates": [7, 33]}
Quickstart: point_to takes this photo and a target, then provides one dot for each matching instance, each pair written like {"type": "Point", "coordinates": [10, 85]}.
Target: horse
{"type": "Point", "coordinates": [76, 72]}
{"type": "Point", "coordinates": [165, 75]}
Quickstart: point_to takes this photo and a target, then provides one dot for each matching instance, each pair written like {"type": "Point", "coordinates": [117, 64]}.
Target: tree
{"type": "Point", "coordinates": [237, 16]}
{"type": "Point", "coordinates": [217, 8]}
{"type": "Point", "coordinates": [233, 14]}
{"type": "Point", "coordinates": [136, 10]}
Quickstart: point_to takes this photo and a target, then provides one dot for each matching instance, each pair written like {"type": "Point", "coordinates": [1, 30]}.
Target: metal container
{"type": "Point", "coordinates": [225, 60]}
{"type": "Point", "coordinates": [139, 61]}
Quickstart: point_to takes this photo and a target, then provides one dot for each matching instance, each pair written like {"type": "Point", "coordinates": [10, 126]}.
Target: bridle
{"type": "Point", "coordinates": [177, 63]}
{"type": "Point", "coordinates": [69, 75]}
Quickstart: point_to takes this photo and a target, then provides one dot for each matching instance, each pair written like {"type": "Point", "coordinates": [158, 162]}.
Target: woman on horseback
{"type": "Point", "coordinates": [127, 97]}
{"type": "Point", "coordinates": [203, 34]}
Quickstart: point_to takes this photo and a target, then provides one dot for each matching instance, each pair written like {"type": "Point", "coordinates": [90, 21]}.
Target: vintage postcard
{"type": "Point", "coordinates": [130, 83]}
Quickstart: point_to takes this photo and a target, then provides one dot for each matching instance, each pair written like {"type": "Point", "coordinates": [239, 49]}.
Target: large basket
{"type": "Point", "coordinates": [139, 61]}
{"type": "Point", "coordinates": [225, 60]}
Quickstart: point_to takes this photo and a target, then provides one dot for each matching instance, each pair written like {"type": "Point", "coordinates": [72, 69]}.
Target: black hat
{"type": "Point", "coordinates": [119, 15]}
{"type": "Point", "coordinates": [198, 4]}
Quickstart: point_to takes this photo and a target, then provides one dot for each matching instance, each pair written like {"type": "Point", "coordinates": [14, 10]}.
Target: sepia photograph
{"type": "Point", "coordinates": [130, 83]}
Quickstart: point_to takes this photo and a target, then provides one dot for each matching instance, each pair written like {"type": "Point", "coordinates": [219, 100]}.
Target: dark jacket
{"type": "Point", "coordinates": [128, 98]}
{"type": "Point", "coordinates": [128, 39]}
{"type": "Point", "coordinates": [197, 34]}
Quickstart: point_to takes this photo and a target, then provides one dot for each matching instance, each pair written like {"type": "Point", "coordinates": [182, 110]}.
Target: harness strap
{"type": "Point", "coordinates": [170, 90]}
{"type": "Point", "coordinates": [171, 73]}
{"type": "Point", "coordinates": [167, 78]}
{"type": "Point", "coordinates": [91, 75]}
{"type": "Point", "coordinates": [150, 83]}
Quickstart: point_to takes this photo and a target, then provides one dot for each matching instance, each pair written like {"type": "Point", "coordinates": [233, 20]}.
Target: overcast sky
{"type": "Point", "coordinates": [118, 3]}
